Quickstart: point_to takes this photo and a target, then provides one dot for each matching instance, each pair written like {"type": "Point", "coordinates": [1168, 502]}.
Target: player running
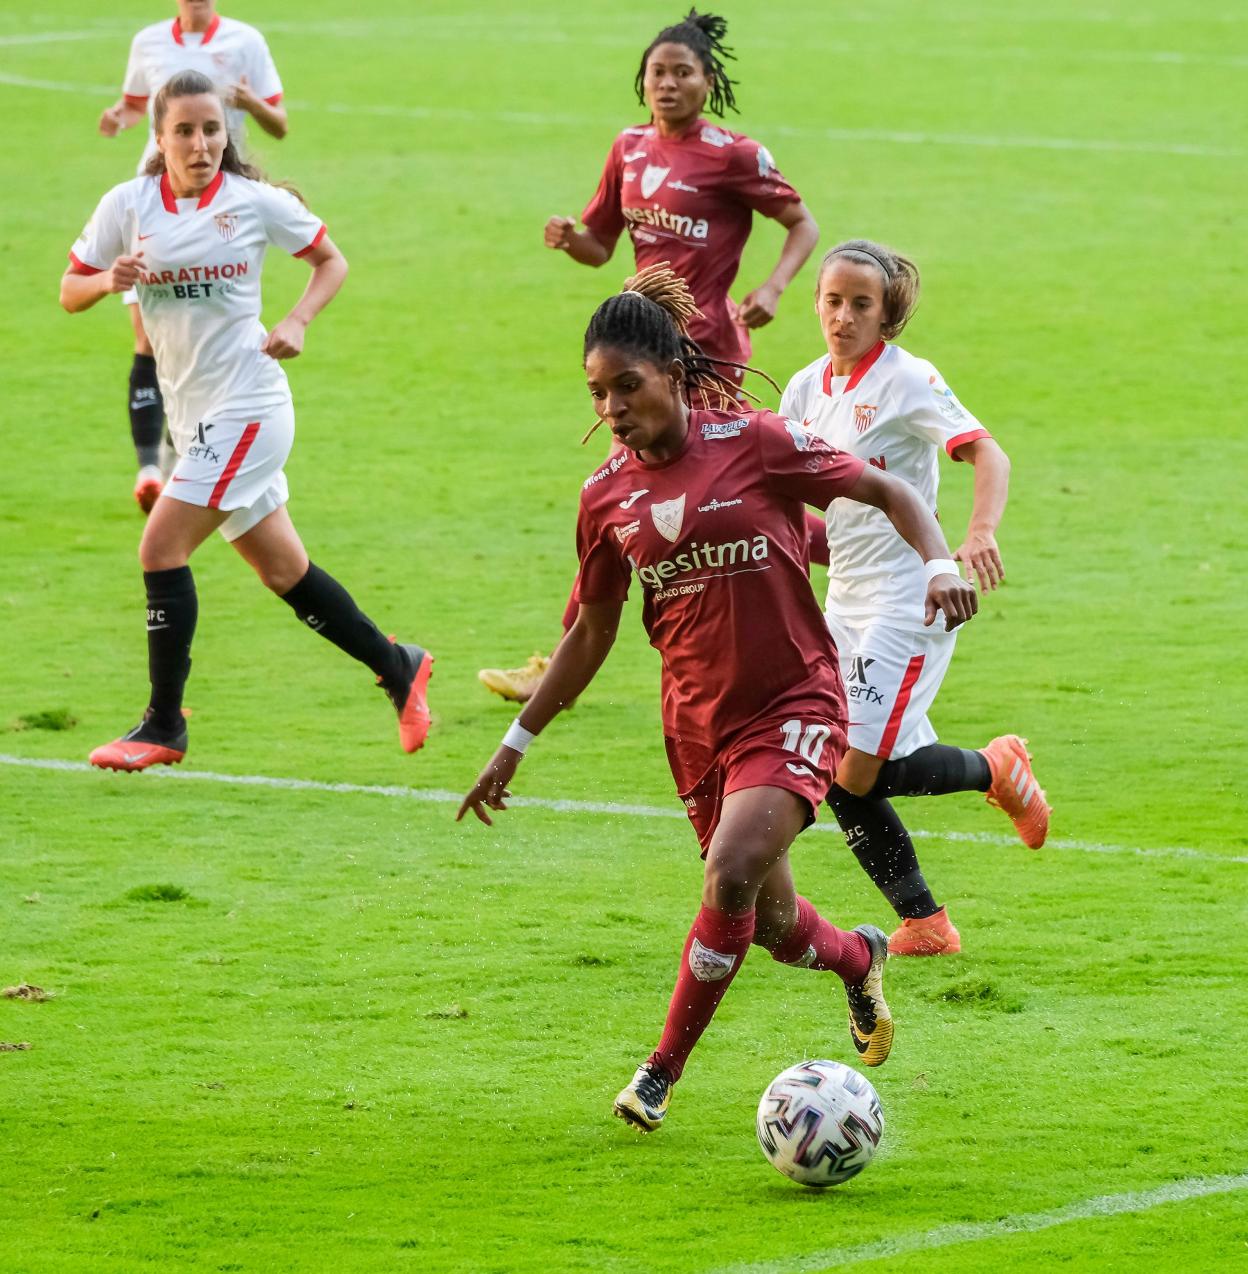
{"type": "Point", "coordinates": [237, 60]}
{"type": "Point", "coordinates": [707, 509]}
{"type": "Point", "coordinates": [872, 399]}
{"type": "Point", "coordinates": [686, 191]}
{"type": "Point", "coordinates": [190, 237]}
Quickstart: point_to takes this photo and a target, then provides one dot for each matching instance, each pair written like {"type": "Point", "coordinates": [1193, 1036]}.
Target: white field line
{"type": "Point", "coordinates": [451, 28]}
{"type": "Point", "coordinates": [973, 1232]}
{"type": "Point", "coordinates": [878, 136]}
{"type": "Point", "coordinates": [438, 796]}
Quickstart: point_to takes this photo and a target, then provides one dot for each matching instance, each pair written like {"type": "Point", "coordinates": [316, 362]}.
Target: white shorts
{"type": "Point", "coordinates": [891, 677]}
{"type": "Point", "coordinates": [234, 463]}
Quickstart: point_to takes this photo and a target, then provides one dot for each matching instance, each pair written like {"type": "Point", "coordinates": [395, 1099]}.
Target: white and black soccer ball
{"type": "Point", "coordinates": [820, 1123]}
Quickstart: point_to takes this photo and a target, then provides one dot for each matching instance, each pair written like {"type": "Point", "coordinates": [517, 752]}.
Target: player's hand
{"type": "Point", "coordinates": [559, 232]}
{"type": "Point", "coordinates": [286, 339]}
{"type": "Point", "coordinates": [953, 595]}
{"type": "Point", "coordinates": [980, 555]}
{"type": "Point", "coordinates": [758, 308]}
{"type": "Point", "coordinates": [110, 121]}
{"type": "Point", "coordinates": [240, 95]}
{"type": "Point", "coordinates": [123, 274]}
{"type": "Point", "coordinates": [491, 785]}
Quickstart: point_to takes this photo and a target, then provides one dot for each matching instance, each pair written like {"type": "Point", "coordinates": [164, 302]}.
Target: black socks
{"type": "Point", "coordinates": [172, 609]}
{"type": "Point", "coordinates": [933, 771]}
{"type": "Point", "coordinates": [883, 847]}
{"type": "Point", "coordinates": [147, 410]}
{"type": "Point", "coordinates": [327, 608]}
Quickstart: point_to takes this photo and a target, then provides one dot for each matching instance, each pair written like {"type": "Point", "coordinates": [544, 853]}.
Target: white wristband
{"type": "Point", "coordinates": [517, 737]}
{"type": "Point", "coordinates": [941, 566]}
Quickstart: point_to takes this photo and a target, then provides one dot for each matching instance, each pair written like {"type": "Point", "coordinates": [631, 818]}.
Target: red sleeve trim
{"type": "Point", "coordinates": [81, 267]}
{"type": "Point", "coordinates": [960, 440]}
{"type": "Point", "coordinates": [273, 101]}
{"type": "Point", "coordinates": [303, 252]}
{"type": "Point", "coordinates": [135, 103]}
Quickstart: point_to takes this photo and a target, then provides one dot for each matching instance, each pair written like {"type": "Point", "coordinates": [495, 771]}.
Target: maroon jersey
{"type": "Point", "coordinates": [690, 200]}
{"type": "Point", "coordinates": [717, 539]}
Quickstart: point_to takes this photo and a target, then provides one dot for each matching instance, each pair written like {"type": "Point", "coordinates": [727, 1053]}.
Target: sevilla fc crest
{"type": "Point", "coordinates": [227, 224]}
{"type": "Point", "coordinates": [669, 517]}
{"type": "Point", "coordinates": [652, 179]}
{"type": "Point", "coordinates": [864, 416]}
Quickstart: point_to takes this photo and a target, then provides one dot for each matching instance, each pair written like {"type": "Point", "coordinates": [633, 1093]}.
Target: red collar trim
{"type": "Point", "coordinates": [861, 368]}
{"type": "Point", "coordinates": [208, 195]}
{"type": "Point", "coordinates": [209, 32]}
{"type": "Point", "coordinates": [210, 192]}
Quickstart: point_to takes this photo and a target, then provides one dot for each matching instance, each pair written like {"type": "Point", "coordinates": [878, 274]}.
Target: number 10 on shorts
{"type": "Point", "coordinates": [806, 741]}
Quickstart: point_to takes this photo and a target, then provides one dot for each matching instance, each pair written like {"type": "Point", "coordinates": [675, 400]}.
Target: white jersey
{"type": "Point", "coordinates": [896, 412]}
{"type": "Point", "coordinates": [225, 52]}
{"type": "Point", "coordinates": [199, 290]}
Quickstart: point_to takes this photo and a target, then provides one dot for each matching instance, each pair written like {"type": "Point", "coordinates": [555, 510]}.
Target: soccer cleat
{"type": "Point", "coordinates": [925, 936]}
{"type": "Point", "coordinates": [1015, 789]}
{"type": "Point", "coordinates": [148, 486]}
{"type": "Point", "coordinates": [516, 684]}
{"type": "Point", "coordinates": [870, 1022]}
{"type": "Point", "coordinates": [142, 747]}
{"type": "Point", "coordinates": [409, 700]}
{"type": "Point", "coordinates": [643, 1103]}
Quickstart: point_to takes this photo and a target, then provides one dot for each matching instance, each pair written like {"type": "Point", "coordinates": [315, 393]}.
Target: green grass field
{"type": "Point", "coordinates": [358, 1037]}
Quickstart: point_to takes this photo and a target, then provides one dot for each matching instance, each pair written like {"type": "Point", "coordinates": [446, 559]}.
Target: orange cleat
{"type": "Point", "coordinates": [410, 703]}
{"type": "Point", "coordinates": [1015, 789]}
{"type": "Point", "coordinates": [148, 486]}
{"type": "Point", "coordinates": [926, 936]}
{"type": "Point", "coordinates": [142, 747]}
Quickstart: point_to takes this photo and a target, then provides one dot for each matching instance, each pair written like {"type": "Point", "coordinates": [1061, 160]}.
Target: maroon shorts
{"type": "Point", "coordinates": [798, 754]}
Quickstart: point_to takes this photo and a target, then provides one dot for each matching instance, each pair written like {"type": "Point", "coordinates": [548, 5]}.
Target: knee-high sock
{"type": "Point", "coordinates": [813, 943]}
{"type": "Point", "coordinates": [172, 610]}
{"type": "Point", "coordinates": [327, 608]}
{"type": "Point", "coordinates": [147, 410]}
{"type": "Point", "coordinates": [714, 949]}
{"type": "Point", "coordinates": [883, 847]}
{"type": "Point", "coordinates": [933, 771]}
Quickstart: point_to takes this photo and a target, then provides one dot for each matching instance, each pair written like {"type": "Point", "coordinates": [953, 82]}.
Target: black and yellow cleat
{"type": "Point", "coordinates": [870, 1022]}
{"type": "Point", "coordinates": [643, 1103]}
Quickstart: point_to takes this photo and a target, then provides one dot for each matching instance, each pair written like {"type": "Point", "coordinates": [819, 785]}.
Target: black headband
{"type": "Point", "coordinates": [866, 252]}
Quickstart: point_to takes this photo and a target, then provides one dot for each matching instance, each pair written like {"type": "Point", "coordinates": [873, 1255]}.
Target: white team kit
{"type": "Point", "coordinates": [895, 412]}
{"type": "Point", "coordinates": [225, 52]}
{"type": "Point", "coordinates": [229, 405]}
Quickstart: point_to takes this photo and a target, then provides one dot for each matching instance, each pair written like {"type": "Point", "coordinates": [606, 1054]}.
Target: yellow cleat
{"type": "Point", "coordinates": [870, 1022]}
{"type": "Point", "coordinates": [515, 684]}
{"type": "Point", "coordinates": [644, 1102]}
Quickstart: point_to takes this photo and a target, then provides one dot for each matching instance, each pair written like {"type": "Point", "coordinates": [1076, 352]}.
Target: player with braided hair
{"type": "Point", "coordinates": [706, 507]}
{"type": "Point", "coordinates": [686, 191]}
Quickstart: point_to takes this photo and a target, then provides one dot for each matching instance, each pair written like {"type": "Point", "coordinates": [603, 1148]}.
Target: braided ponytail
{"type": "Point", "coordinates": [650, 318]}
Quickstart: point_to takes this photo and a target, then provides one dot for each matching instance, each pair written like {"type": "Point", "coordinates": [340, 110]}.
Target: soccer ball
{"type": "Point", "coordinates": [819, 1123]}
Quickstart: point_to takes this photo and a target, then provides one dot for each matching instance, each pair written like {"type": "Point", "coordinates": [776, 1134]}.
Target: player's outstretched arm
{"type": "Point", "coordinates": [978, 552]}
{"type": "Point", "coordinates": [329, 269]}
{"type": "Point", "coordinates": [572, 667]}
{"type": "Point", "coordinates": [118, 117]}
{"type": "Point", "coordinates": [759, 307]}
{"type": "Point", "coordinates": [81, 291]}
{"type": "Point", "coordinates": [271, 116]}
{"type": "Point", "coordinates": [947, 591]}
{"type": "Point", "coordinates": [581, 245]}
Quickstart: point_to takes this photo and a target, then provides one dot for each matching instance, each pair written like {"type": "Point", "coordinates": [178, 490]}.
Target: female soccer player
{"type": "Point", "coordinates": [871, 398]}
{"type": "Point", "coordinates": [237, 60]}
{"type": "Point", "coordinates": [190, 236]}
{"type": "Point", "coordinates": [706, 507]}
{"type": "Point", "coordinates": [686, 191]}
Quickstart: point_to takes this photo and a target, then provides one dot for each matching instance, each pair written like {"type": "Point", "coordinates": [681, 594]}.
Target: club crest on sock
{"type": "Point", "coordinates": [710, 966]}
